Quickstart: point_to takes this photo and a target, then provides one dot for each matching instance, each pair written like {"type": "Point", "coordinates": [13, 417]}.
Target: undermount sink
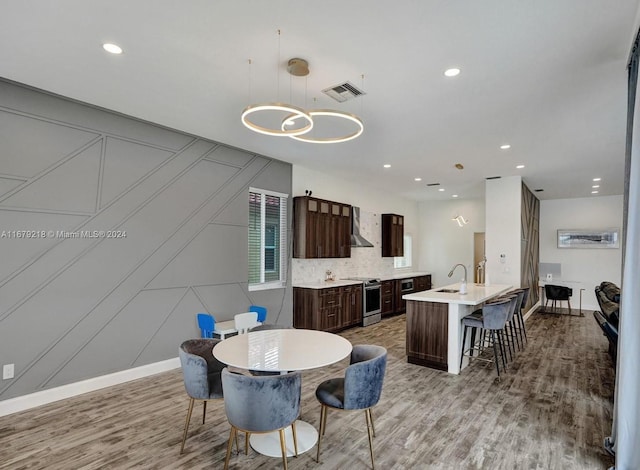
{"type": "Point", "coordinates": [449, 291]}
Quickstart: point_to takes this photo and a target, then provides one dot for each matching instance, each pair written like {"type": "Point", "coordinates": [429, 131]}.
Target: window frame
{"type": "Point", "coordinates": [281, 243]}
{"type": "Point", "coordinates": [402, 262]}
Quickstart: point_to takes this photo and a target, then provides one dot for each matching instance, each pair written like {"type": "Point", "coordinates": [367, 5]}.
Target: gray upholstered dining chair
{"type": "Point", "coordinates": [201, 374]}
{"type": "Point", "coordinates": [360, 389]}
{"type": "Point", "coordinates": [262, 404]}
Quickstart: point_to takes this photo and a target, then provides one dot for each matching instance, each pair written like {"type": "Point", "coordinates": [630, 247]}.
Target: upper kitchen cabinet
{"type": "Point", "coordinates": [322, 229]}
{"type": "Point", "coordinates": [392, 235]}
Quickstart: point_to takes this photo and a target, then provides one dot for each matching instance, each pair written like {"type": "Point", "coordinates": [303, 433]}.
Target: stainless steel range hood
{"type": "Point", "coordinates": [357, 240]}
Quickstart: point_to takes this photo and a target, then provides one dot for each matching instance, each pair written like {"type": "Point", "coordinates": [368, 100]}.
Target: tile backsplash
{"type": "Point", "coordinates": [363, 261]}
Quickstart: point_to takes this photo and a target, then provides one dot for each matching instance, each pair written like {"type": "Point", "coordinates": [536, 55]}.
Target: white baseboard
{"type": "Point", "coordinates": [531, 310]}
{"type": "Point", "coordinates": [25, 402]}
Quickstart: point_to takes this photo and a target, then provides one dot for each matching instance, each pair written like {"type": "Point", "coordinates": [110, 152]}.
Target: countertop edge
{"type": "Point", "coordinates": [477, 294]}
{"type": "Point", "coordinates": [327, 284]}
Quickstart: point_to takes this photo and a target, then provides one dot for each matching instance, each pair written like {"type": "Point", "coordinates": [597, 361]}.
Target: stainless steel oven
{"type": "Point", "coordinates": [371, 300]}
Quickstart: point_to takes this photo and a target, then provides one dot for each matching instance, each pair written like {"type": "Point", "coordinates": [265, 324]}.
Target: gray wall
{"type": "Point", "coordinates": [75, 308]}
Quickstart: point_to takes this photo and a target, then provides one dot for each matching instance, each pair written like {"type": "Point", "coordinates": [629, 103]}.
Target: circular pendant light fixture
{"type": "Point", "coordinates": [291, 119]}
{"type": "Point", "coordinates": [295, 113]}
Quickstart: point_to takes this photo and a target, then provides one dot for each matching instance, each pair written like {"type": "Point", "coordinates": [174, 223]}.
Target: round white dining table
{"type": "Point", "coordinates": [283, 351]}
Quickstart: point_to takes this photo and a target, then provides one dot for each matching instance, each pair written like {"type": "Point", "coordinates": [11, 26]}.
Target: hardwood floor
{"type": "Point", "coordinates": [551, 410]}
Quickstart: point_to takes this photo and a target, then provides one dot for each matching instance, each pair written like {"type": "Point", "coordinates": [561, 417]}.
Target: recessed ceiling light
{"type": "Point", "coordinates": [594, 192]}
{"type": "Point", "coordinates": [595, 186]}
{"type": "Point", "coordinates": [417, 179]}
{"type": "Point", "coordinates": [597, 179]}
{"type": "Point", "coordinates": [519, 167]}
{"type": "Point", "coordinates": [505, 146]}
{"type": "Point", "coordinates": [454, 195]}
{"type": "Point", "coordinates": [441, 189]}
{"type": "Point", "coordinates": [112, 48]}
{"type": "Point", "coordinates": [386, 165]}
{"type": "Point", "coordinates": [452, 72]}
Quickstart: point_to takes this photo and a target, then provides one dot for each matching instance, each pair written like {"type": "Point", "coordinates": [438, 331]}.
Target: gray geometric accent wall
{"type": "Point", "coordinates": [74, 306]}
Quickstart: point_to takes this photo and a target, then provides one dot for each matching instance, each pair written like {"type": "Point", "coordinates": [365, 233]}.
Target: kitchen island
{"type": "Point", "coordinates": [434, 328]}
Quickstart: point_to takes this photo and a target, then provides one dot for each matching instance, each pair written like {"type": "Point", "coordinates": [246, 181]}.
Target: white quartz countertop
{"type": "Point", "coordinates": [327, 284]}
{"type": "Point", "coordinates": [403, 275]}
{"type": "Point", "coordinates": [476, 294]}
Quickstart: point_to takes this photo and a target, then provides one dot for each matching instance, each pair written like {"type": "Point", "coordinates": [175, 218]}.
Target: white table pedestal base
{"type": "Point", "coordinates": [269, 443]}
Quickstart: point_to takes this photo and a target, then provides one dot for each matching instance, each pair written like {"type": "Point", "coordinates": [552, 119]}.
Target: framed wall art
{"type": "Point", "coordinates": [592, 238]}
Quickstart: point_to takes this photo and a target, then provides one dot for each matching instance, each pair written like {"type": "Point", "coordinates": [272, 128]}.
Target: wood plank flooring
{"type": "Point", "coordinates": [551, 410]}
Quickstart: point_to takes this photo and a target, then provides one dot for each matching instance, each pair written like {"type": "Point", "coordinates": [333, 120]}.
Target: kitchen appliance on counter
{"type": "Point", "coordinates": [371, 300]}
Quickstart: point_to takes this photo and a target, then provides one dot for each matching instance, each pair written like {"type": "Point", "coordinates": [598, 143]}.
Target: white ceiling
{"type": "Point", "coordinates": [548, 77]}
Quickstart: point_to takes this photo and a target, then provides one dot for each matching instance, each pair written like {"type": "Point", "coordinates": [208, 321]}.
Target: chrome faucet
{"type": "Point", "coordinates": [463, 285]}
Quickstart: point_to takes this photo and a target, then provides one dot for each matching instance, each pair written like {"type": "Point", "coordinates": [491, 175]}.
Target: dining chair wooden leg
{"type": "Point", "coordinates": [295, 437]}
{"type": "Point", "coordinates": [246, 442]}
{"type": "Point", "coordinates": [186, 424]}
{"type": "Point", "coordinates": [283, 448]}
{"type": "Point", "coordinates": [323, 423]}
{"type": "Point", "coordinates": [369, 426]}
{"type": "Point", "coordinates": [232, 435]}
{"type": "Point", "coordinates": [204, 410]}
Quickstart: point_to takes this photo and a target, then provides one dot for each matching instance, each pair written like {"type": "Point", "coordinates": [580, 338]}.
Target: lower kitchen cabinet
{"type": "Point", "coordinates": [330, 309]}
{"type": "Point", "coordinates": [421, 283]}
{"type": "Point", "coordinates": [387, 298]}
{"type": "Point", "coordinates": [427, 334]}
{"type": "Point", "coordinates": [351, 306]}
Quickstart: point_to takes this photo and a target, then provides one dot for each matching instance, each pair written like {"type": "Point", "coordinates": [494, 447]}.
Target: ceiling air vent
{"type": "Point", "coordinates": [433, 184]}
{"type": "Point", "coordinates": [343, 92]}
{"type": "Point", "coordinates": [493, 177]}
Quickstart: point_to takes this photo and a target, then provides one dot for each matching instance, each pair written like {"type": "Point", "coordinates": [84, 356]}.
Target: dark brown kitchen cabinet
{"type": "Point", "coordinates": [322, 229]}
{"type": "Point", "coordinates": [392, 235]}
{"type": "Point", "coordinates": [422, 283]}
{"type": "Point", "coordinates": [399, 305]}
{"type": "Point", "coordinates": [330, 309]}
{"type": "Point", "coordinates": [427, 334]}
{"type": "Point", "coordinates": [387, 297]}
{"type": "Point", "coordinates": [351, 306]}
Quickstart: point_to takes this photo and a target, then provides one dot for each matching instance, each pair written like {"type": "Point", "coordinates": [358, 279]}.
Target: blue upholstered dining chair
{"type": "Point", "coordinates": [260, 405]}
{"type": "Point", "coordinates": [201, 373]}
{"type": "Point", "coordinates": [360, 389]}
{"type": "Point", "coordinates": [261, 311]}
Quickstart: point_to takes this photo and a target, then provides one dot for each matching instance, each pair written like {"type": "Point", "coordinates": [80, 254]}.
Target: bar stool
{"type": "Point", "coordinates": [507, 332]}
{"type": "Point", "coordinates": [511, 321]}
{"type": "Point", "coordinates": [520, 326]}
{"type": "Point", "coordinates": [492, 317]}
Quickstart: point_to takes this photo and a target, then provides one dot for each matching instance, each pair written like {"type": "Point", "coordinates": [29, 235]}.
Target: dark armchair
{"type": "Point", "coordinates": [556, 294]}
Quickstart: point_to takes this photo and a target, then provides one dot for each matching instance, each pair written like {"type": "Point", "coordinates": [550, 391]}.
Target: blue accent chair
{"type": "Point", "coordinates": [207, 325]}
{"type": "Point", "coordinates": [360, 389]}
{"type": "Point", "coordinates": [260, 405]}
{"type": "Point", "coordinates": [201, 373]}
{"type": "Point", "coordinates": [261, 311]}
{"type": "Point", "coordinates": [210, 327]}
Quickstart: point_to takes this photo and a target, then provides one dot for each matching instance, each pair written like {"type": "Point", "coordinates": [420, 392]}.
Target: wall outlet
{"type": "Point", "coordinates": [7, 371]}
{"type": "Point", "coordinates": [549, 277]}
